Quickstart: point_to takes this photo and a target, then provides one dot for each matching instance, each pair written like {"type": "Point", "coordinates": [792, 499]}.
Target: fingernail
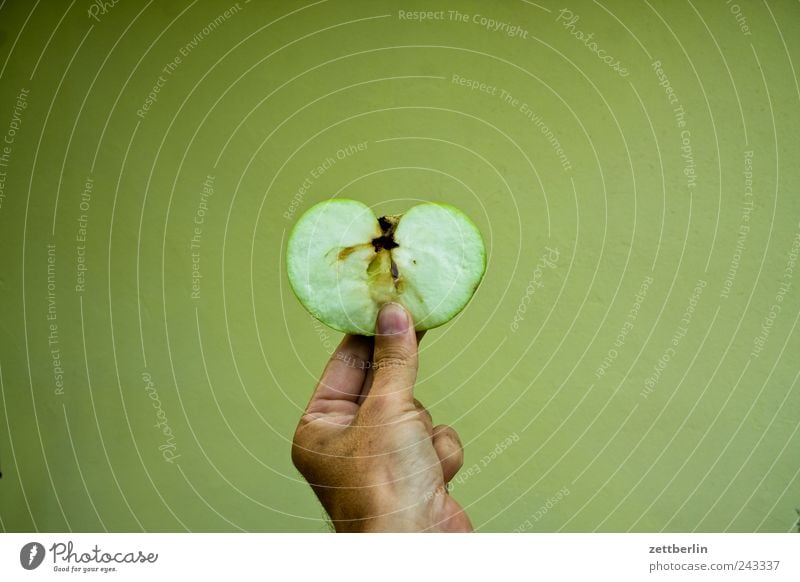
{"type": "Point", "coordinates": [392, 319]}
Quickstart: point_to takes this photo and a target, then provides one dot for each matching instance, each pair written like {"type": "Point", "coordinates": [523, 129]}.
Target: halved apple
{"type": "Point", "coordinates": [344, 263]}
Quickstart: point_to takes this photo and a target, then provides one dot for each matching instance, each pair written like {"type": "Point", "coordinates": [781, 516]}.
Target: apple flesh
{"type": "Point", "coordinates": [343, 263]}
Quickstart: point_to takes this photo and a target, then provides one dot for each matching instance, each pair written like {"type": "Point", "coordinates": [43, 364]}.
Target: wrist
{"type": "Point", "coordinates": [365, 510]}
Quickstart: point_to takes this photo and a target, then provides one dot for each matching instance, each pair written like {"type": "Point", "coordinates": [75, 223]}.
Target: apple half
{"type": "Point", "coordinates": [344, 263]}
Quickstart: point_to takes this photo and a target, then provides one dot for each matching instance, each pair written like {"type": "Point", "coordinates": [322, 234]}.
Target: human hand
{"type": "Point", "coordinates": [368, 448]}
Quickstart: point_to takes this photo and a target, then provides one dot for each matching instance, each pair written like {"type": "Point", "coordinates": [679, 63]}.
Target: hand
{"type": "Point", "coordinates": [368, 448]}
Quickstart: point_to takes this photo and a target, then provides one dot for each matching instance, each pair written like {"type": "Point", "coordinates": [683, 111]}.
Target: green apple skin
{"type": "Point", "coordinates": [343, 263]}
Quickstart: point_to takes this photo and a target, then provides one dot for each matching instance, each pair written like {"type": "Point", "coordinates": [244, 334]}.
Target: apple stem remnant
{"type": "Point", "coordinates": [386, 240]}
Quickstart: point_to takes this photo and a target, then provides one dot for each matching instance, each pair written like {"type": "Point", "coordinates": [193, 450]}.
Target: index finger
{"type": "Point", "coordinates": [341, 382]}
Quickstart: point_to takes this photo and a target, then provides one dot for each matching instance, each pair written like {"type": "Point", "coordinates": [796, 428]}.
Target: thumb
{"type": "Point", "coordinates": [395, 357]}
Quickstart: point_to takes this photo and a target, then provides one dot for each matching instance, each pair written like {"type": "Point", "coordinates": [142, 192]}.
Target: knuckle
{"type": "Point", "coordinates": [450, 435]}
{"type": "Point", "coordinates": [393, 352]}
{"type": "Point", "coordinates": [299, 457]}
{"type": "Point", "coordinates": [457, 459]}
{"type": "Point", "coordinates": [310, 461]}
{"type": "Point", "coordinates": [305, 448]}
{"type": "Point", "coordinates": [454, 436]}
{"type": "Point", "coordinates": [388, 362]}
{"type": "Point", "coordinates": [452, 445]}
